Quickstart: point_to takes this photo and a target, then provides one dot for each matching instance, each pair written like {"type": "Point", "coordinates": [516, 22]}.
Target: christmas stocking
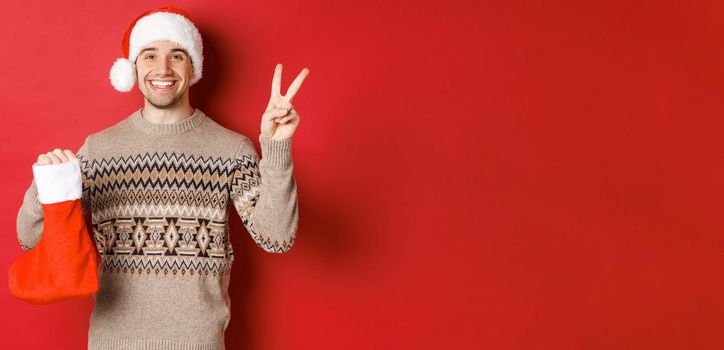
{"type": "Point", "coordinates": [64, 264]}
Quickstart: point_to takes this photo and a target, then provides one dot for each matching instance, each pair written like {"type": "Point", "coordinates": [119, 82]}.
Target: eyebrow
{"type": "Point", "coordinates": [156, 49]}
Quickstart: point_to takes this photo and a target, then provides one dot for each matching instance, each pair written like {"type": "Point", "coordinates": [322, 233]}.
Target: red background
{"type": "Point", "coordinates": [472, 174]}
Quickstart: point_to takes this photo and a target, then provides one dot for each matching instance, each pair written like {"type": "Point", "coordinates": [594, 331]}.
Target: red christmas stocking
{"type": "Point", "coordinates": [63, 265]}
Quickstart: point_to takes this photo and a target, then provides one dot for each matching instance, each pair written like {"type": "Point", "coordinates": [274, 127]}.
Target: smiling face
{"type": "Point", "coordinates": [164, 71]}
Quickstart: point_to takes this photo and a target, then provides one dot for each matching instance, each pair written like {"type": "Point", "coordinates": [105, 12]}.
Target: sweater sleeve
{"type": "Point", "coordinates": [264, 193]}
{"type": "Point", "coordinates": [30, 216]}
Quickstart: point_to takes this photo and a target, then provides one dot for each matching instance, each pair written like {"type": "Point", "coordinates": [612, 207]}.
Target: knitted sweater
{"type": "Point", "coordinates": [158, 196]}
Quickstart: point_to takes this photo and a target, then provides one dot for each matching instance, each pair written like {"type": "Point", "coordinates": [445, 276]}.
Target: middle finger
{"type": "Point", "coordinates": [61, 155]}
{"type": "Point", "coordinates": [53, 157]}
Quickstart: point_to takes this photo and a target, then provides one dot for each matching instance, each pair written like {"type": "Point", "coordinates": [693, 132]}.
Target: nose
{"type": "Point", "coordinates": [164, 67]}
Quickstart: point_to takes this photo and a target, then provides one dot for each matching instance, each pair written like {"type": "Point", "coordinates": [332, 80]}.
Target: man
{"type": "Point", "coordinates": [158, 186]}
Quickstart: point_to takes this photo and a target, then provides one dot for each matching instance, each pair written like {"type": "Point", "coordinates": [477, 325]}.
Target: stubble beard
{"type": "Point", "coordinates": [148, 95]}
{"type": "Point", "coordinates": [160, 105]}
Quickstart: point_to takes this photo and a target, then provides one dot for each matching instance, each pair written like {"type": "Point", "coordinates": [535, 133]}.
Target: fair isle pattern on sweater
{"type": "Point", "coordinates": [165, 213]}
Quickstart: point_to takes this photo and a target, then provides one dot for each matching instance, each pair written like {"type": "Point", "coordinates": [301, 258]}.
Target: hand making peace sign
{"type": "Point", "coordinates": [280, 119]}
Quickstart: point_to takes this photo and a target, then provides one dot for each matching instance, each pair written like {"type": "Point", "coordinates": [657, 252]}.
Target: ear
{"type": "Point", "coordinates": [139, 79]}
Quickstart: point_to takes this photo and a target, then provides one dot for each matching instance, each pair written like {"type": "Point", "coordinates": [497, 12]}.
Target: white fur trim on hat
{"type": "Point", "coordinates": [123, 75]}
{"type": "Point", "coordinates": [172, 27]}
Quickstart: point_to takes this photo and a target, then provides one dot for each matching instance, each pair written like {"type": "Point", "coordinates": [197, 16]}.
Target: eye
{"type": "Point", "coordinates": [178, 57]}
{"type": "Point", "coordinates": [149, 57]}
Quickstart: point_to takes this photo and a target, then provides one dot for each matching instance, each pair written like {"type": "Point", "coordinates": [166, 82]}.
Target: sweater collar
{"type": "Point", "coordinates": [191, 122]}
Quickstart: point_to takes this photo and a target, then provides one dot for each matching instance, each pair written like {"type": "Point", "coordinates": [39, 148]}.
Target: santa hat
{"type": "Point", "coordinates": [166, 23]}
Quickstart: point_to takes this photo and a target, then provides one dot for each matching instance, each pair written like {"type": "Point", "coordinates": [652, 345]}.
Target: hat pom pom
{"type": "Point", "coordinates": [123, 75]}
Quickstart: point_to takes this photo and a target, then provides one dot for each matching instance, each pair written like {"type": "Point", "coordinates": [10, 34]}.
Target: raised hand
{"type": "Point", "coordinates": [280, 119]}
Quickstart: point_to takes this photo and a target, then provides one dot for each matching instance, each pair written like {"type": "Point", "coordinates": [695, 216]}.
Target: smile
{"type": "Point", "coordinates": [163, 85]}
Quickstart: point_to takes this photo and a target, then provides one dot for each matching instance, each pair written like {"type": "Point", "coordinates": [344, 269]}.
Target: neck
{"type": "Point", "coordinates": [177, 113]}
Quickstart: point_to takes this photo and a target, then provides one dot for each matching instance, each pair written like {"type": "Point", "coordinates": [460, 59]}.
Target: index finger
{"type": "Point", "coordinates": [70, 155]}
{"type": "Point", "coordinates": [296, 84]}
{"type": "Point", "coordinates": [277, 81]}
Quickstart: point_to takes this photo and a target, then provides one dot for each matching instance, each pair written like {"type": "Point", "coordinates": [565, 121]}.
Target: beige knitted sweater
{"type": "Point", "coordinates": [159, 196]}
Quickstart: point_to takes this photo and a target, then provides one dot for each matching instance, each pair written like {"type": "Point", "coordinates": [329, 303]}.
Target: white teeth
{"type": "Point", "coordinates": [162, 83]}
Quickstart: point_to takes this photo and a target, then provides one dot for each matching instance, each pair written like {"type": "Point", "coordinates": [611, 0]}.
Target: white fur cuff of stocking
{"type": "Point", "coordinates": [58, 182]}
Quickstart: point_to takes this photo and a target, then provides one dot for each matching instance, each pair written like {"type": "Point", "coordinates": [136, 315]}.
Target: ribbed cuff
{"type": "Point", "coordinates": [276, 153]}
{"type": "Point", "coordinates": [98, 343]}
{"type": "Point", "coordinates": [58, 182]}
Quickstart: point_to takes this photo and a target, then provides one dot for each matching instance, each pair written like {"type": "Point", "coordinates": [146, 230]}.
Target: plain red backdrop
{"type": "Point", "coordinates": [471, 174]}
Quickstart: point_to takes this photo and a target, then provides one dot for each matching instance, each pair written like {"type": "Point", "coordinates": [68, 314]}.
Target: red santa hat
{"type": "Point", "coordinates": [165, 23]}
